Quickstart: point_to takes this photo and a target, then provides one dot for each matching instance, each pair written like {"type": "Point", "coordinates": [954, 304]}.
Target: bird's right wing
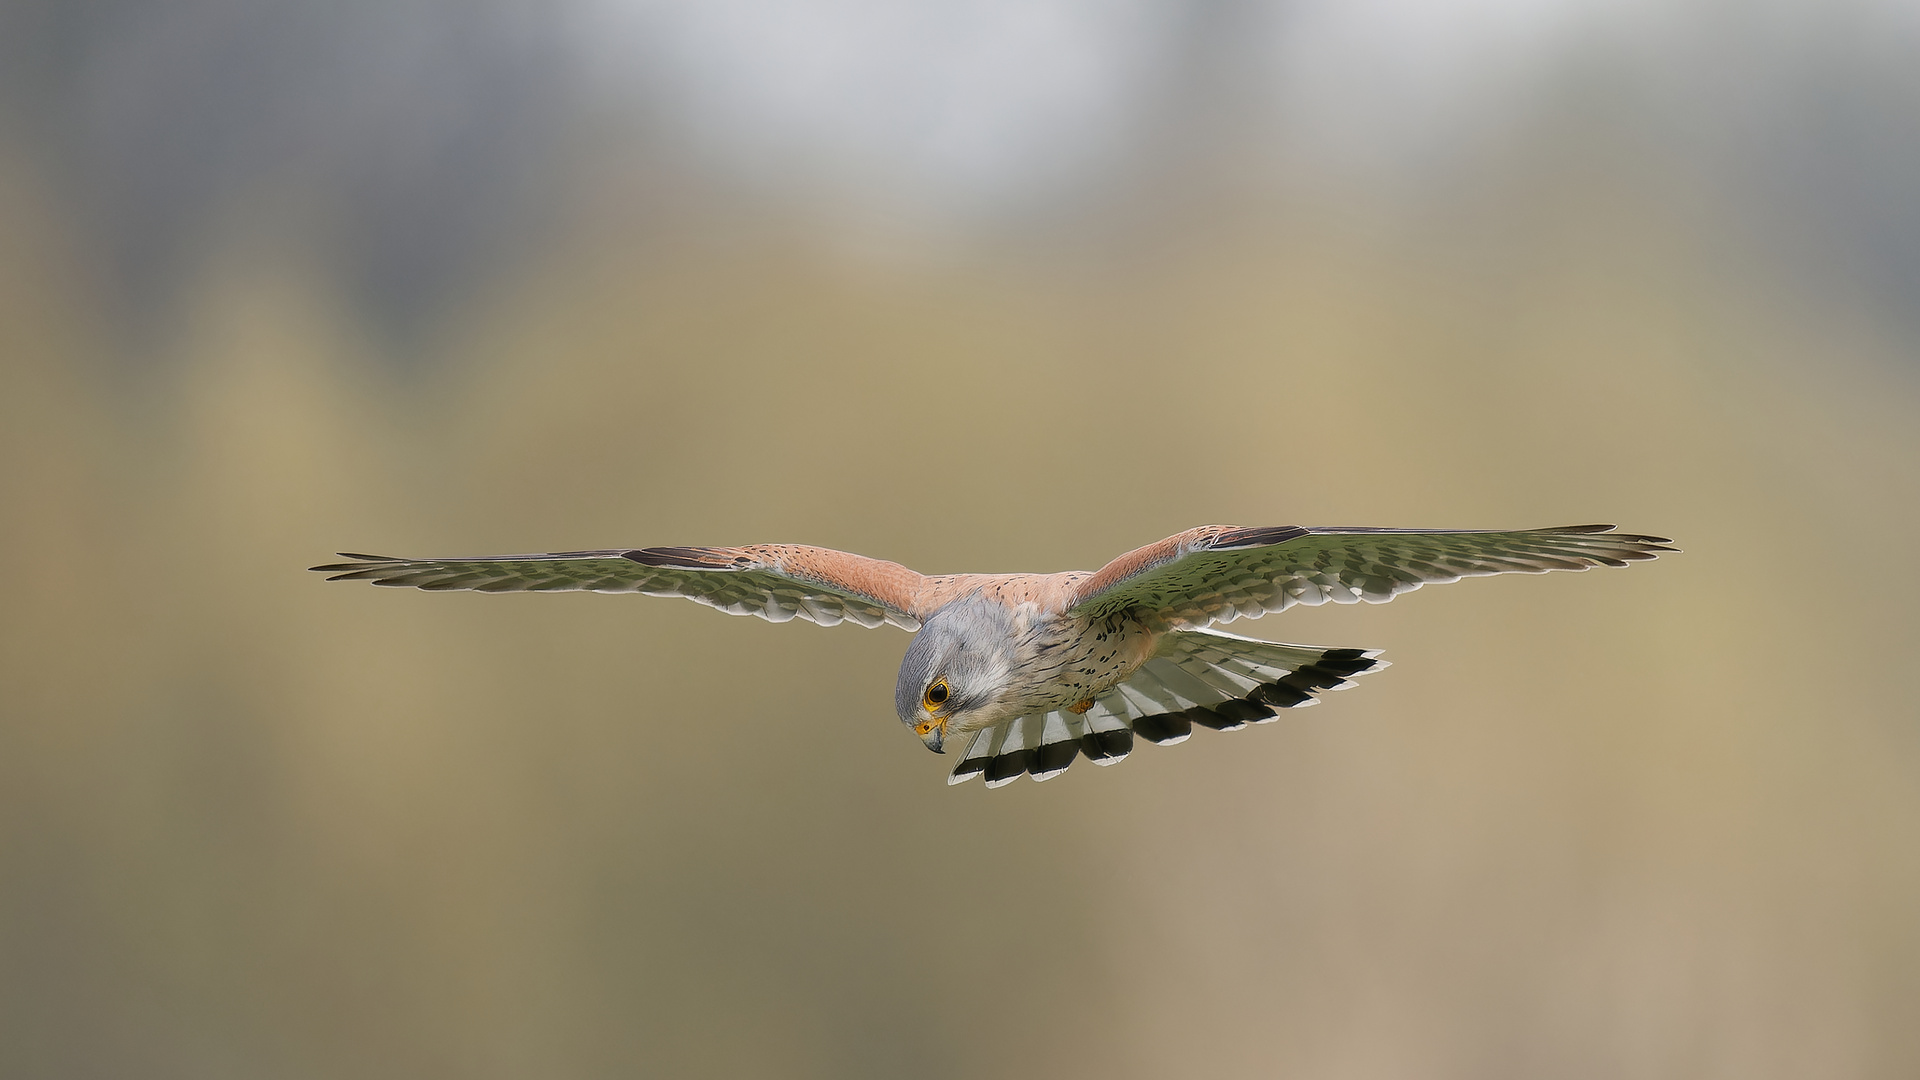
{"type": "Point", "coordinates": [774, 581]}
{"type": "Point", "coordinates": [1217, 573]}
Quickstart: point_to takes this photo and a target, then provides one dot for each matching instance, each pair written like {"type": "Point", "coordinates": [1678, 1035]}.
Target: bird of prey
{"type": "Point", "coordinates": [1026, 672]}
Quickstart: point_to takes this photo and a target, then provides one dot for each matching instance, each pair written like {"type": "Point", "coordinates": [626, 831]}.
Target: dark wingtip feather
{"type": "Point", "coordinates": [1630, 538]}
{"type": "Point", "coordinates": [1634, 547]}
{"type": "Point", "coordinates": [686, 558]}
{"type": "Point", "coordinates": [1256, 536]}
{"type": "Point", "coordinates": [359, 563]}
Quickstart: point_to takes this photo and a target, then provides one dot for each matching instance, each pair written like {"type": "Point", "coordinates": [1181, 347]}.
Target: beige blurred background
{"type": "Point", "coordinates": [974, 286]}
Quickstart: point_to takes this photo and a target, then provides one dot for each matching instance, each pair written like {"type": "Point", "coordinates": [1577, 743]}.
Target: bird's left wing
{"type": "Point", "coordinates": [1218, 573]}
{"type": "Point", "coordinates": [774, 581]}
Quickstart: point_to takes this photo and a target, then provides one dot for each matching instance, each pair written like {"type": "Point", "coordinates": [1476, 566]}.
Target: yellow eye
{"type": "Point", "coordinates": [936, 694]}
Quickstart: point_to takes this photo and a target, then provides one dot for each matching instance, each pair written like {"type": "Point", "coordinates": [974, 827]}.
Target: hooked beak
{"type": "Point", "coordinates": [933, 733]}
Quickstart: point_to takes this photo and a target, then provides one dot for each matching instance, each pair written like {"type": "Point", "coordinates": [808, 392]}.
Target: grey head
{"type": "Point", "coordinates": [957, 669]}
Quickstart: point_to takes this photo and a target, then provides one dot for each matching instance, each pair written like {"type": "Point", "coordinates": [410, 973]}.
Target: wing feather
{"type": "Point", "coordinates": [1218, 573]}
{"type": "Point", "coordinates": [777, 582]}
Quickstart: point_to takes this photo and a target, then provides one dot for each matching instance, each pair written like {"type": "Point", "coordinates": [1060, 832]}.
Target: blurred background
{"type": "Point", "coordinates": [978, 285]}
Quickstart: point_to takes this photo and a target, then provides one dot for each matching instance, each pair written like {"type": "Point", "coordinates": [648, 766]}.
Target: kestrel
{"type": "Point", "coordinates": [1029, 671]}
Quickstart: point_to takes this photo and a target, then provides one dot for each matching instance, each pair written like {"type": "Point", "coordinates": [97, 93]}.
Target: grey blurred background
{"type": "Point", "coordinates": [985, 285]}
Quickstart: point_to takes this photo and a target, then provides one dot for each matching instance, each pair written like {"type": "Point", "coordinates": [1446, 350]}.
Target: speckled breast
{"type": "Point", "coordinates": [1068, 661]}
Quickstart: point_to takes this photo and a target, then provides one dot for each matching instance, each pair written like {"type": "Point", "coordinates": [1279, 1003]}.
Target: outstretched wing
{"type": "Point", "coordinates": [774, 581]}
{"type": "Point", "coordinates": [1218, 573]}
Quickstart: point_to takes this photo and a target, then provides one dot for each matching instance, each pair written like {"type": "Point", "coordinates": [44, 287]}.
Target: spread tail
{"type": "Point", "coordinates": [1205, 677]}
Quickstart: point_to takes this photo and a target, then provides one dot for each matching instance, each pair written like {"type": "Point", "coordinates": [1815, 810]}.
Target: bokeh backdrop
{"type": "Point", "coordinates": [981, 285]}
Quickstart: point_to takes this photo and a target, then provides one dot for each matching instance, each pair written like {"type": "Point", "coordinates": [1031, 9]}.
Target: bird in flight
{"type": "Point", "coordinates": [1026, 672]}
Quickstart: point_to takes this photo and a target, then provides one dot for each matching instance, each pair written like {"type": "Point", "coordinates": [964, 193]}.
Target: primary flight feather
{"type": "Point", "coordinates": [1030, 671]}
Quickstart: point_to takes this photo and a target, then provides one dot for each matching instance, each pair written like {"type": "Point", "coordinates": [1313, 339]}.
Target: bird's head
{"type": "Point", "coordinates": [957, 670]}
